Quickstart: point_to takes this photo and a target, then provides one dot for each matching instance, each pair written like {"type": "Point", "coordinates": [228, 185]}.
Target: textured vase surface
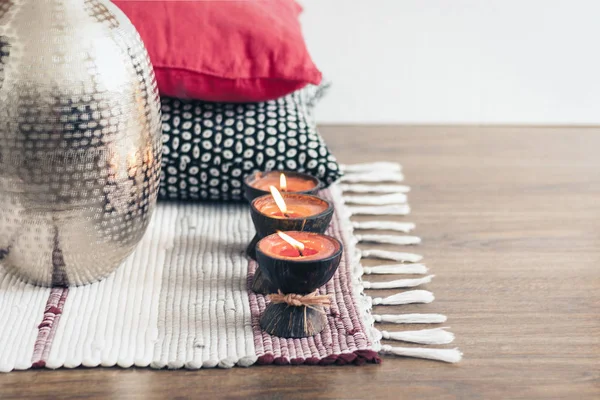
{"type": "Point", "coordinates": [79, 139]}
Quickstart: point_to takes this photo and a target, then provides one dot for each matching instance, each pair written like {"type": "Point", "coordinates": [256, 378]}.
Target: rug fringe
{"type": "Point", "coordinates": [371, 189]}
{"type": "Point", "coordinates": [446, 355]}
{"type": "Point", "coordinates": [378, 198]}
{"type": "Point", "coordinates": [410, 297]}
{"type": "Point", "coordinates": [391, 255]}
{"type": "Point", "coordinates": [389, 239]}
{"type": "Point", "coordinates": [396, 269]}
{"type": "Point", "coordinates": [374, 166]}
{"type": "Point", "coordinates": [410, 318]}
{"type": "Point", "coordinates": [386, 199]}
{"type": "Point", "coordinates": [403, 209]}
{"type": "Point", "coordinates": [404, 227]}
{"type": "Point", "coordinates": [399, 283]}
{"type": "Point", "coordinates": [373, 177]}
{"type": "Point", "coordinates": [423, 336]}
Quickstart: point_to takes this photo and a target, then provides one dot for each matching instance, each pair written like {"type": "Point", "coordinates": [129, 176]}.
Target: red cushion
{"type": "Point", "coordinates": [235, 51]}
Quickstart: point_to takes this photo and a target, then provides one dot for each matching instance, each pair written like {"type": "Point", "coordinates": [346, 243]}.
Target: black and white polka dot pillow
{"type": "Point", "coordinates": [208, 148]}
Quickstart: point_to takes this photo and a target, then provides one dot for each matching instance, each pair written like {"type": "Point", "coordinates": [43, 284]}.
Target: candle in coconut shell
{"type": "Point", "coordinates": [297, 245]}
{"type": "Point", "coordinates": [285, 212]}
{"type": "Point", "coordinates": [291, 207]}
{"type": "Point", "coordinates": [258, 184]}
{"type": "Point", "coordinates": [297, 264]}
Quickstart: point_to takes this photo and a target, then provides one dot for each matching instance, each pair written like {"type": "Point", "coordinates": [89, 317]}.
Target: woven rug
{"type": "Point", "coordinates": [182, 300]}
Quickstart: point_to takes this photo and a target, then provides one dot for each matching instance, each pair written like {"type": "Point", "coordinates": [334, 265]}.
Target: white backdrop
{"type": "Point", "coordinates": [457, 61]}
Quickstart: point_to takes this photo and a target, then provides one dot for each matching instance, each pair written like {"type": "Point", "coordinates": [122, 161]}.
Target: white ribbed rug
{"type": "Point", "coordinates": [182, 299]}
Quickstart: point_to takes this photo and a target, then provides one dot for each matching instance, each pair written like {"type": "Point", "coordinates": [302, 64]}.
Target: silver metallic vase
{"type": "Point", "coordinates": [79, 139]}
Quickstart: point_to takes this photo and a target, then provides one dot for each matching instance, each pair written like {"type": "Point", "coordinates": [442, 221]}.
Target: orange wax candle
{"type": "Point", "coordinates": [298, 206]}
{"type": "Point", "coordinates": [295, 182]}
{"type": "Point", "coordinates": [316, 246]}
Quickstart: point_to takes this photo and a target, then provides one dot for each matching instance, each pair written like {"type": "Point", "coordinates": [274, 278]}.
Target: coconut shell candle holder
{"type": "Point", "coordinates": [297, 264]}
{"type": "Point", "coordinates": [303, 213]}
{"type": "Point", "coordinates": [258, 184]}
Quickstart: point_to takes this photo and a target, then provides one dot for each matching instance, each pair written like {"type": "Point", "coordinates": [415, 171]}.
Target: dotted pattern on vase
{"type": "Point", "coordinates": [208, 148]}
{"type": "Point", "coordinates": [80, 141]}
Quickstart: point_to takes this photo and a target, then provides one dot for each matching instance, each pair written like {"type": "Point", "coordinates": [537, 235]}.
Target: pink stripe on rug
{"type": "Point", "coordinates": [47, 328]}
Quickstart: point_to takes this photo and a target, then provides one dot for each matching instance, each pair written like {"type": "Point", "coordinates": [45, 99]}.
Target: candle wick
{"type": "Point", "coordinates": [300, 252]}
{"type": "Point", "coordinates": [286, 215]}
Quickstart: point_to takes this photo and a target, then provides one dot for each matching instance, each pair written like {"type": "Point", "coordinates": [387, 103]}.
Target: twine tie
{"type": "Point", "coordinates": [311, 300]}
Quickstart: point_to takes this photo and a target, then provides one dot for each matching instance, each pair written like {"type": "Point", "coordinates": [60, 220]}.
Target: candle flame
{"type": "Point", "coordinates": [278, 199]}
{"type": "Point", "coordinates": [297, 244]}
{"type": "Point", "coordinates": [282, 182]}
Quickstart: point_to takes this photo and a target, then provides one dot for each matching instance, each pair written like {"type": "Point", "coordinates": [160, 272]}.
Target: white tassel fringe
{"type": "Point", "coordinates": [394, 198]}
{"type": "Point", "coordinates": [384, 225]}
{"type": "Point", "coordinates": [379, 210]}
{"type": "Point", "coordinates": [424, 336]}
{"type": "Point", "coordinates": [410, 318]}
{"type": "Point", "coordinates": [373, 177]}
{"type": "Point", "coordinates": [366, 181]}
{"type": "Point", "coordinates": [412, 296]}
{"type": "Point", "coordinates": [374, 166]}
{"type": "Point", "coordinates": [391, 255]}
{"type": "Point", "coordinates": [389, 239]}
{"type": "Point", "coordinates": [446, 355]}
{"type": "Point", "coordinates": [399, 283]}
{"type": "Point", "coordinates": [396, 269]}
{"type": "Point", "coordinates": [358, 188]}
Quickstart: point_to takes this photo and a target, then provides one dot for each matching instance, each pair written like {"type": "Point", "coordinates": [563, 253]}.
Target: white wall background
{"type": "Point", "coordinates": [457, 61]}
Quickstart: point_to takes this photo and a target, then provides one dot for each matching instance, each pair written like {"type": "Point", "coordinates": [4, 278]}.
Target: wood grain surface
{"type": "Point", "coordinates": [510, 221]}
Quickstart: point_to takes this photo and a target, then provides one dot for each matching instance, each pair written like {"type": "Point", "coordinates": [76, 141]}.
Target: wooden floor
{"type": "Point", "coordinates": [510, 218]}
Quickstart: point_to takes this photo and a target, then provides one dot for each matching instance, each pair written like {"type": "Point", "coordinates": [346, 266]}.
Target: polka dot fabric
{"type": "Point", "coordinates": [208, 148]}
